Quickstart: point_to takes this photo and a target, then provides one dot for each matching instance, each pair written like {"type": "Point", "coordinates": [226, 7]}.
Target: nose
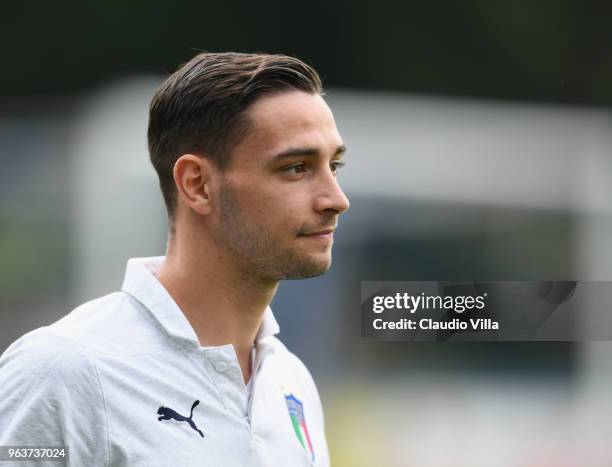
{"type": "Point", "coordinates": [332, 198]}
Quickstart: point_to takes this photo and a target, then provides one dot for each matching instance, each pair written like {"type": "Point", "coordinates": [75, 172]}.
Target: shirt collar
{"type": "Point", "coordinates": [141, 283]}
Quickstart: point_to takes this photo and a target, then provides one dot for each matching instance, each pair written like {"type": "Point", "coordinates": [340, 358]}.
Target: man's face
{"type": "Point", "coordinates": [280, 199]}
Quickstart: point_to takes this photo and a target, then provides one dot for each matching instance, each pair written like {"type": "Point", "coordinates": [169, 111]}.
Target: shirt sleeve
{"type": "Point", "coordinates": [50, 395]}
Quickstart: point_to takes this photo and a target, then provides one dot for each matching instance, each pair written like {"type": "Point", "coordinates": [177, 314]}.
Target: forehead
{"type": "Point", "coordinates": [287, 120]}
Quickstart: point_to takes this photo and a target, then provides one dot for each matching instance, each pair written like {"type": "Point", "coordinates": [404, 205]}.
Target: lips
{"type": "Point", "coordinates": [324, 235]}
{"type": "Point", "coordinates": [320, 232]}
{"type": "Point", "coordinates": [326, 231]}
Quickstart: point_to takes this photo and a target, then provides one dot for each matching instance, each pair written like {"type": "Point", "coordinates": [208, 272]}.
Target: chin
{"type": "Point", "coordinates": [304, 269]}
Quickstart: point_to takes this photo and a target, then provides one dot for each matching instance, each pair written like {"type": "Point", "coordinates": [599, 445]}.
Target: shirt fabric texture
{"type": "Point", "coordinates": [99, 380]}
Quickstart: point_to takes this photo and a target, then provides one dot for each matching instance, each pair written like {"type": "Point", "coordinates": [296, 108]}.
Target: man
{"type": "Point", "coordinates": [182, 367]}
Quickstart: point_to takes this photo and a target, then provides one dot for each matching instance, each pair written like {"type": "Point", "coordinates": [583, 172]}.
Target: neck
{"type": "Point", "coordinates": [222, 306]}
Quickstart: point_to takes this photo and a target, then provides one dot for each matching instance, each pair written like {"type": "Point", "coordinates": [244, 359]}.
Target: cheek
{"type": "Point", "coordinates": [289, 220]}
{"type": "Point", "coordinates": [277, 209]}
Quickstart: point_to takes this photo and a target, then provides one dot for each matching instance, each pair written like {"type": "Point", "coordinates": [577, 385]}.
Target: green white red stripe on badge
{"type": "Point", "coordinates": [296, 413]}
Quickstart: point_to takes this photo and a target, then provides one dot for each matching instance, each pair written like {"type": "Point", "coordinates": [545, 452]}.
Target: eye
{"type": "Point", "coordinates": [335, 165]}
{"type": "Point", "coordinates": [295, 169]}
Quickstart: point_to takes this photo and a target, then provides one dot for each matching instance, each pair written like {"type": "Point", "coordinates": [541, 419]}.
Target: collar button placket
{"type": "Point", "coordinates": [228, 379]}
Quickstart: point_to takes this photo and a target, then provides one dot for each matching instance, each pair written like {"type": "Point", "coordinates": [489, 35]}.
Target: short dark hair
{"type": "Point", "coordinates": [201, 108]}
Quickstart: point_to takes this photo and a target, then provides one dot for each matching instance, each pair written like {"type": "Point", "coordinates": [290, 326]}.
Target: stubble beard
{"type": "Point", "coordinates": [256, 251]}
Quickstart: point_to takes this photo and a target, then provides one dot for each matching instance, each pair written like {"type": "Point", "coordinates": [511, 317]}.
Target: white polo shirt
{"type": "Point", "coordinates": [117, 381]}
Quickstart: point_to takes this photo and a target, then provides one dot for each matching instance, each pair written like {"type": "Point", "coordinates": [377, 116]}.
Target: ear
{"type": "Point", "coordinates": [192, 176]}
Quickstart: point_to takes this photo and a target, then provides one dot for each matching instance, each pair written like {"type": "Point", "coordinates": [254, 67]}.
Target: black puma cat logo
{"type": "Point", "coordinates": [167, 414]}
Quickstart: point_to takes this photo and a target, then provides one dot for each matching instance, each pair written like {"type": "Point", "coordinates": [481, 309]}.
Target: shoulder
{"type": "Point", "coordinates": [68, 349]}
{"type": "Point", "coordinates": [113, 325]}
{"type": "Point", "coordinates": [44, 357]}
{"type": "Point", "coordinates": [44, 374]}
{"type": "Point", "coordinates": [291, 359]}
{"type": "Point", "coordinates": [96, 316]}
{"type": "Point", "coordinates": [50, 394]}
{"type": "Point", "coordinates": [293, 365]}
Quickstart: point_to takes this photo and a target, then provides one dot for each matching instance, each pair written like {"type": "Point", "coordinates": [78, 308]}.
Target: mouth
{"type": "Point", "coordinates": [325, 235]}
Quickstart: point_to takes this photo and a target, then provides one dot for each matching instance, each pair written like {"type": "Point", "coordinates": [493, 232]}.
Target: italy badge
{"type": "Point", "coordinates": [296, 413]}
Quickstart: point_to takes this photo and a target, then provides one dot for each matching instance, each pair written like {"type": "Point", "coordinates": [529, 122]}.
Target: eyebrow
{"type": "Point", "coordinates": [295, 152]}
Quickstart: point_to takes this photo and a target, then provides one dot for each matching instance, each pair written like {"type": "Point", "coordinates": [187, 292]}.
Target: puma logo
{"type": "Point", "coordinates": [168, 414]}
